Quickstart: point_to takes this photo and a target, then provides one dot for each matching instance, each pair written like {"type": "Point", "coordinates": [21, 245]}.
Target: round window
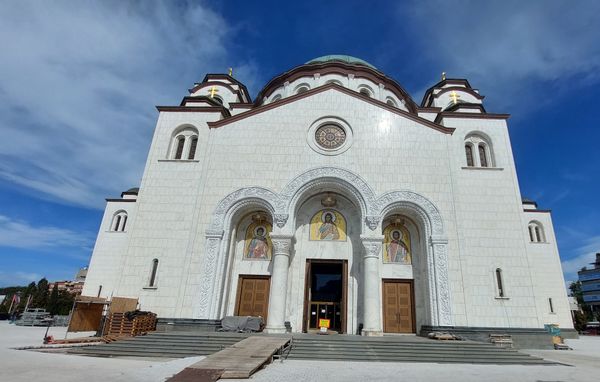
{"type": "Point", "coordinates": [330, 137]}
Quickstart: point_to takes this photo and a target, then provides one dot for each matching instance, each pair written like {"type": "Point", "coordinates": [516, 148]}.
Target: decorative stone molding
{"type": "Point", "coordinates": [372, 246]}
{"type": "Point", "coordinates": [208, 276]}
{"type": "Point", "coordinates": [280, 219]}
{"type": "Point", "coordinates": [282, 244]}
{"type": "Point", "coordinates": [442, 285]}
{"type": "Point", "coordinates": [259, 195]}
{"type": "Point", "coordinates": [372, 222]}
{"type": "Point", "coordinates": [399, 199]}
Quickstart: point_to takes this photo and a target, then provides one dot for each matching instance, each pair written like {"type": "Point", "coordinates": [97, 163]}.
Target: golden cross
{"type": "Point", "coordinates": [212, 91]}
{"type": "Point", "coordinates": [454, 96]}
{"type": "Point", "coordinates": [230, 72]}
{"type": "Point", "coordinates": [443, 76]}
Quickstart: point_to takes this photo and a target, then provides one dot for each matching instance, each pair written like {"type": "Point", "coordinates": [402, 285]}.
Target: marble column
{"type": "Point", "coordinates": [279, 281]}
{"type": "Point", "coordinates": [371, 285]}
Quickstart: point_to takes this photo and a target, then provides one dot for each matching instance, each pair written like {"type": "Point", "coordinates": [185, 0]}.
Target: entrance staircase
{"type": "Point", "coordinates": [405, 349]}
{"type": "Point", "coordinates": [316, 347]}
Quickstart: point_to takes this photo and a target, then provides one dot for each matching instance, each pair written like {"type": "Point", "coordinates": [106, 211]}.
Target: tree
{"type": "Point", "coordinates": [579, 321]}
{"type": "Point", "coordinates": [53, 301]}
{"type": "Point", "coordinates": [64, 303]}
{"type": "Point", "coordinates": [576, 292]}
{"type": "Point", "coordinates": [40, 298]}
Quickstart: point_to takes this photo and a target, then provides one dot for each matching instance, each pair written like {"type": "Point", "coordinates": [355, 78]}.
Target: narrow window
{"type": "Point", "coordinates": [531, 235]}
{"type": "Point", "coordinates": [124, 223]}
{"type": "Point", "coordinates": [538, 234]}
{"type": "Point", "coordinates": [99, 290]}
{"type": "Point", "coordinates": [193, 145]}
{"type": "Point", "coordinates": [179, 152]}
{"type": "Point", "coordinates": [482, 156]}
{"type": "Point", "coordinates": [153, 273]}
{"type": "Point", "coordinates": [365, 92]}
{"type": "Point", "coordinates": [469, 152]}
{"type": "Point", "coordinates": [117, 222]}
{"type": "Point", "coordinates": [551, 305]}
{"type": "Point", "coordinates": [499, 282]}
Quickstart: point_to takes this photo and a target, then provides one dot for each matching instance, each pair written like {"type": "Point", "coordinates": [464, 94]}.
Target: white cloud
{"type": "Point", "coordinates": [18, 278]}
{"type": "Point", "coordinates": [20, 234]}
{"type": "Point", "coordinates": [585, 255]}
{"type": "Point", "coordinates": [501, 46]}
{"type": "Point", "coordinates": [78, 85]}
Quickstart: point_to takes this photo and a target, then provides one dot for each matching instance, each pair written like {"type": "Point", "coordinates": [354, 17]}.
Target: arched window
{"type": "Point", "coordinates": [184, 144]}
{"type": "Point", "coordinates": [483, 155]}
{"type": "Point", "coordinates": [536, 232]}
{"type": "Point", "coordinates": [180, 144]}
{"type": "Point", "coordinates": [119, 221]}
{"type": "Point", "coordinates": [152, 281]}
{"type": "Point", "coordinates": [276, 98]}
{"type": "Point", "coordinates": [193, 144]}
{"type": "Point", "coordinates": [469, 153]}
{"type": "Point", "coordinates": [365, 90]}
{"type": "Point", "coordinates": [218, 99]}
{"type": "Point", "coordinates": [302, 88]}
{"type": "Point", "coordinates": [479, 153]}
{"type": "Point", "coordinates": [500, 283]}
{"type": "Point", "coordinates": [390, 101]}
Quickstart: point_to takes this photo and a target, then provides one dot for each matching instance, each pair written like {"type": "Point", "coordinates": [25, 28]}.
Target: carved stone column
{"type": "Point", "coordinates": [442, 283]}
{"type": "Point", "coordinates": [211, 251]}
{"type": "Point", "coordinates": [279, 280]}
{"type": "Point", "coordinates": [371, 284]}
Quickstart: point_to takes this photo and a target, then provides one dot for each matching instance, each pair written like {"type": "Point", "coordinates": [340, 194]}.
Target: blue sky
{"type": "Point", "coordinates": [79, 82]}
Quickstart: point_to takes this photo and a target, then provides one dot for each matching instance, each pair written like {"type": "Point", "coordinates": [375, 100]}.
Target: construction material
{"type": "Point", "coordinates": [501, 340]}
{"type": "Point", "coordinates": [130, 323]}
{"type": "Point", "coordinates": [241, 324]}
{"type": "Point", "coordinates": [240, 360]}
{"type": "Point", "coordinates": [443, 336]}
{"type": "Point", "coordinates": [33, 317]}
{"type": "Point", "coordinates": [123, 304]}
{"type": "Point", "coordinates": [87, 314]}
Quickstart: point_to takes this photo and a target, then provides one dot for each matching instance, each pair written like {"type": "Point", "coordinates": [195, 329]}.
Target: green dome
{"type": "Point", "coordinates": [342, 58]}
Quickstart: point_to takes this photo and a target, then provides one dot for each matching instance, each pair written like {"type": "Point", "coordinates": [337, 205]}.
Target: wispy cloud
{"type": "Point", "coordinates": [20, 234]}
{"type": "Point", "coordinates": [18, 278]}
{"type": "Point", "coordinates": [503, 46]}
{"type": "Point", "coordinates": [78, 82]}
{"type": "Point", "coordinates": [584, 255]}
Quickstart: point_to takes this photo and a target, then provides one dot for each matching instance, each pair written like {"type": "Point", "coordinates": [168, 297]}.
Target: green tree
{"type": "Point", "coordinates": [53, 301]}
{"type": "Point", "coordinates": [579, 321]}
{"type": "Point", "coordinates": [64, 303]}
{"type": "Point", "coordinates": [40, 298]}
{"type": "Point", "coordinates": [576, 292]}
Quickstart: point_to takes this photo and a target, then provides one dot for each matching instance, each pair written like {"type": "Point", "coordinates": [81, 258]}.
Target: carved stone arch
{"type": "Point", "coordinates": [440, 307]}
{"type": "Point", "coordinates": [216, 245]}
{"type": "Point", "coordinates": [341, 179]}
{"type": "Point", "coordinates": [419, 204]}
{"type": "Point", "coordinates": [238, 199]}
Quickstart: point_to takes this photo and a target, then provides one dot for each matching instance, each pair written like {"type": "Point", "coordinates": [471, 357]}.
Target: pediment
{"type": "Point", "coordinates": [330, 87]}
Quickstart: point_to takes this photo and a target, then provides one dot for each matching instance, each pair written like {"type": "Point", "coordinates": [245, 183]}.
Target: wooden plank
{"type": "Point", "coordinates": [86, 317]}
{"type": "Point", "coordinates": [123, 304]}
{"type": "Point", "coordinates": [243, 358]}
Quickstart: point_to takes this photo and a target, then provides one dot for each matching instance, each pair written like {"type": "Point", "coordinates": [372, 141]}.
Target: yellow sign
{"type": "Point", "coordinates": [324, 323]}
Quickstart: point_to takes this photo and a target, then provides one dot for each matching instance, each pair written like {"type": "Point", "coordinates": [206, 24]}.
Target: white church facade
{"type": "Point", "coordinates": [333, 195]}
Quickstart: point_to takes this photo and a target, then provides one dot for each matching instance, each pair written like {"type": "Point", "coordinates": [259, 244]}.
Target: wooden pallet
{"type": "Point", "coordinates": [117, 324]}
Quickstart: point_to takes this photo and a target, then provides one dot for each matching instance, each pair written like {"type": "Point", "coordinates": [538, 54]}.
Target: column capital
{"type": "Point", "coordinates": [281, 243]}
{"type": "Point", "coordinates": [372, 245]}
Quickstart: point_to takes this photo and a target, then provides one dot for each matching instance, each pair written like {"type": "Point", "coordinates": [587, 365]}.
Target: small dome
{"type": "Point", "coordinates": [134, 189]}
{"type": "Point", "coordinates": [341, 58]}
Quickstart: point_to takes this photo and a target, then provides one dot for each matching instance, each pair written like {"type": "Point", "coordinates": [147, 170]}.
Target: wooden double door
{"type": "Point", "coordinates": [253, 296]}
{"type": "Point", "coordinates": [398, 306]}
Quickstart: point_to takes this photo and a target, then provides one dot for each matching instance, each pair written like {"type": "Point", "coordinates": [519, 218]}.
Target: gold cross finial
{"type": "Point", "coordinates": [443, 76]}
{"type": "Point", "coordinates": [230, 72]}
{"type": "Point", "coordinates": [212, 91]}
{"type": "Point", "coordinates": [454, 96]}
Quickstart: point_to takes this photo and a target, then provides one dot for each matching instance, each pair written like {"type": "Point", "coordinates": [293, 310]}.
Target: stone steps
{"type": "Point", "coordinates": [313, 347]}
{"type": "Point", "coordinates": [407, 350]}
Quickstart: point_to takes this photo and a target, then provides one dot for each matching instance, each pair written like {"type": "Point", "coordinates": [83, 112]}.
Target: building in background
{"type": "Point", "coordinates": [75, 286]}
{"type": "Point", "coordinates": [590, 286]}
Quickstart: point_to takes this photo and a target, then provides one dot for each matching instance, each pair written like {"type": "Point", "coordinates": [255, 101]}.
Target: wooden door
{"type": "Point", "coordinates": [253, 296]}
{"type": "Point", "coordinates": [398, 307]}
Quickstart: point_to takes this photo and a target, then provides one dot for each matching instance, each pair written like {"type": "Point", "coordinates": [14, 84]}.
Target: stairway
{"type": "Point", "coordinates": [168, 345]}
{"type": "Point", "coordinates": [405, 349]}
{"type": "Point", "coordinates": [315, 347]}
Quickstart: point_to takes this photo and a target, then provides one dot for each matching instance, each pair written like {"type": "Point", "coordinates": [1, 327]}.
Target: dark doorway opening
{"type": "Point", "coordinates": [325, 294]}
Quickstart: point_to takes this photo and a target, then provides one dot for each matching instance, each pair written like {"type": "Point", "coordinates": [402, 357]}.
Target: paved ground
{"type": "Point", "coordinates": [19, 365]}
